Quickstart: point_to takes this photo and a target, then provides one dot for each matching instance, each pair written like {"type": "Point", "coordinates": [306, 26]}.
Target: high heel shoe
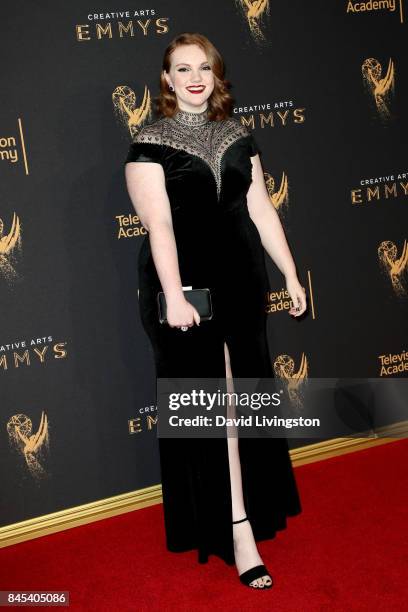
{"type": "Point", "coordinates": [254, 572]}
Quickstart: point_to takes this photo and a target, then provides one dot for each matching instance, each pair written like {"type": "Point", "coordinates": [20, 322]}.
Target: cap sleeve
{"type": "Point", "coordinates": [146, 146]}
{"type": "Point", "coordinates": [144, 152]}
{"type": "Point", "coordinates": [252, 144]}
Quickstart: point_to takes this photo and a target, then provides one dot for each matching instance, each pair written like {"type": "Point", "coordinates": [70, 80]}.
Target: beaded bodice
{"type": "Point", "coordinates": [196, 134]}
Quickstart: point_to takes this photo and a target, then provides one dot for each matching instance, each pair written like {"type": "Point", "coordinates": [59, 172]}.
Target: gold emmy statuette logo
{"type": "Point", "coordinates": [278, 198]}
{"type": "Point", "coordinates": [254, 11]}
{"type": "Point", "coordinates": [8, 243]}
{"type": "Point", "coordinates": [379, 88]}
{"type": "Point", "coordinates": [284, 368]}
{"type": "Point", "coordinates": [395, 267]}
{"type": "Point", "coordinates": [124, 104]}
{"type": "Point", "coordinates": [30, 445]}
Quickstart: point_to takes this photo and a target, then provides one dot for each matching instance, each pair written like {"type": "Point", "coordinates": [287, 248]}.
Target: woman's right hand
{"type": "Point", "coordinates": [181, 313]}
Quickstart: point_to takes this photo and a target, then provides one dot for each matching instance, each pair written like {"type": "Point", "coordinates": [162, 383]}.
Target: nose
{"type": "Point", "coordinates": [196, 76]}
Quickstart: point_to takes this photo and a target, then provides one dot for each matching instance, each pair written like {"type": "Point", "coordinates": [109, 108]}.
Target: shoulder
{"type": "Point", "coordinates": [151, 133]}
{"type": "Point", "coordinates": [235, 125]}
{"type": "Point", "coordinates": [146, 143]}
{"type": "Point", "coordinates": [238, 131]}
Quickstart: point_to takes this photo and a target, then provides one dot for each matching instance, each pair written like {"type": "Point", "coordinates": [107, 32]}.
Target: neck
{"type": "Point", "coordinates": [191, 118]}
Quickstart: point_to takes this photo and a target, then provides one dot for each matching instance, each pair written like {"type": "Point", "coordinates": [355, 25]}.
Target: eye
{"type": "Point", "coordinates": [207, 67]}
{"type": "Point", "coordinates": [182, 69]}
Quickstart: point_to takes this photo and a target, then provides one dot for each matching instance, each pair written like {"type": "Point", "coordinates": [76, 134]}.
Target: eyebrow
{"type": "Point", "coordinates": [187, 64]}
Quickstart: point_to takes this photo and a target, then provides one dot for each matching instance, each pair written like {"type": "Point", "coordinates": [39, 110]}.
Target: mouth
{"type": "Point", "coordinates": [196, 89]}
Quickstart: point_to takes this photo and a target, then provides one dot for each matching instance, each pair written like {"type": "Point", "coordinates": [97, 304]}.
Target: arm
{"type": "Point", "coordinates": [266, 219]}
{"type": "Point", "coordinates": [146, 186]}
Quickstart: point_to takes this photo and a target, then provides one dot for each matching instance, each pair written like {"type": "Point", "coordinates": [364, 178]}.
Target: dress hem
{"type": "Point", "coordinates": [203, 557]}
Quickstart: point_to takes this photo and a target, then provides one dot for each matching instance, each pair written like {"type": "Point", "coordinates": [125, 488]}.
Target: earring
{"type": "Point", "coordinates": [171, 87]}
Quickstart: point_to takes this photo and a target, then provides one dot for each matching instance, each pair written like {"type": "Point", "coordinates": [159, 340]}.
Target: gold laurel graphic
{"type": "Point", "coordinates": [124, 104]}
{"type": "Point", "coordinates": [281, 197]}
{"type": "Point", "coordinates": [8, 243]}
{"type": "Point", "coordinates": [380, 88]}
{"type": "Point", "coordinates": [30, 445]}
{"type": "Point", "coordinates": [395, 267]}
{"type": "Point", "coordinates": [254, 12]}
{"type": "Point", "coordinates": [284, 368]}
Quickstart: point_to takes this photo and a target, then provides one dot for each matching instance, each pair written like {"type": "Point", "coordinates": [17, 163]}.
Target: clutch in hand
{"type": "Point", "coordinates": [199, 298]}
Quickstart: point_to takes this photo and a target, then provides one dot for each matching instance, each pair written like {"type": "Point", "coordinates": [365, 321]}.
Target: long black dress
{"type": "Point", "coordinates": [207, 170]}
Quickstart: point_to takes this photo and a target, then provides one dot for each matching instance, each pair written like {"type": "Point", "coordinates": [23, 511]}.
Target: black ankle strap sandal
{"type": "Point", "coordinates": [254, 572]}
{"type": "Point", "coordinates": [240, 521]}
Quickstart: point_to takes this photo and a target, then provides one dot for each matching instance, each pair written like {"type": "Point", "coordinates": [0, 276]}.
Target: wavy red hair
{"type": "Point", "coordinates": [220, 101]}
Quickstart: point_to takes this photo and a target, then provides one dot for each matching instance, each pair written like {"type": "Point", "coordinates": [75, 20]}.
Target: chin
{"type": "Point", "coordinates": [197, 101]}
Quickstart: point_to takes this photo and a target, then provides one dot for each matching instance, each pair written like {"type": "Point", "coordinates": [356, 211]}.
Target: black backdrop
{"type": "Point", "coordinates": [68, 279]}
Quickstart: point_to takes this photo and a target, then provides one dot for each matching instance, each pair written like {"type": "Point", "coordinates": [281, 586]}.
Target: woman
{"type": "Point", "coordinates": [196, 182]}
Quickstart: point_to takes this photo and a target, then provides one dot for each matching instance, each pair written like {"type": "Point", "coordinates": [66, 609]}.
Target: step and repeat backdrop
{"type": "Point", "coordinates": [323, 87]}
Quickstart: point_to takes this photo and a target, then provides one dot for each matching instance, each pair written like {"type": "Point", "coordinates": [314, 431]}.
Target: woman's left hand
{"type": "Point", "coordinates": [298, 296]}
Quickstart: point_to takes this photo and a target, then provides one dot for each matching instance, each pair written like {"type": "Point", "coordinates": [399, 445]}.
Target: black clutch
{"type": "Point", "coordinates": [199, 298]}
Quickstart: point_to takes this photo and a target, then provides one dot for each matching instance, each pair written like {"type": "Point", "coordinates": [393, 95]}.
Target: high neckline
{"type": "Point", "coordinates": [191, 119]}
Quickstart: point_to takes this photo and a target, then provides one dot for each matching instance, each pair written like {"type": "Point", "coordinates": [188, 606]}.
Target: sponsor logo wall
{"type": "Point", "coordinates": [323, 88]}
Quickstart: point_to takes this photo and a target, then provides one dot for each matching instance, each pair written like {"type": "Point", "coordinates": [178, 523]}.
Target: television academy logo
{"type": "Point", "coordinates": [131, 116]}
{"type": "Point", "coordinates": [393, 364]}
{"type": "Point", "coordinates": [10, 242]}
{"type": "Point", "coordinates": [369, 6]}
{"type": "Point", "coordinates": [284, 368]}
{"type": "Point", "coordinates": [278, 301]}
{"type": "Point", "coordinates": [10, 152]}
{"type": "Point", "coordinates": [379, 88]}
{"type": "Point", "coordinates": [395, 267]}
{"type": "Point", "coordinates": [30, 445]}
{"type": "Point", "coordinates": [129, 226]}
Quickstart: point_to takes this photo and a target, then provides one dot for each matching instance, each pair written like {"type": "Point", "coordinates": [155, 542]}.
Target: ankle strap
{"type": "Point", "coordinates": [240, 521]}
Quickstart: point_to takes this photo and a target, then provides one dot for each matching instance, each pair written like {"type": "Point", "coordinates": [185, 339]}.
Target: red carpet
{"type": "Point", "coordinates": [345, 552]}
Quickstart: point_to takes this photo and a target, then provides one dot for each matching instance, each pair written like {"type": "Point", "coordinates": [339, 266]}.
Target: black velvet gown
{"type": "Point", "coordinates": [207, 169]}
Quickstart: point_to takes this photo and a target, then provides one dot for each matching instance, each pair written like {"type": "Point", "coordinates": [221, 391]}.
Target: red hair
{"type": "Point", "coordinates": [220, 101]}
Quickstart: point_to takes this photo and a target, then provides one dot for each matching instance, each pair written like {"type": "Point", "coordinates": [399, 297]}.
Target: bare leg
{"type": "Point", "coordinates": [245, 550]}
